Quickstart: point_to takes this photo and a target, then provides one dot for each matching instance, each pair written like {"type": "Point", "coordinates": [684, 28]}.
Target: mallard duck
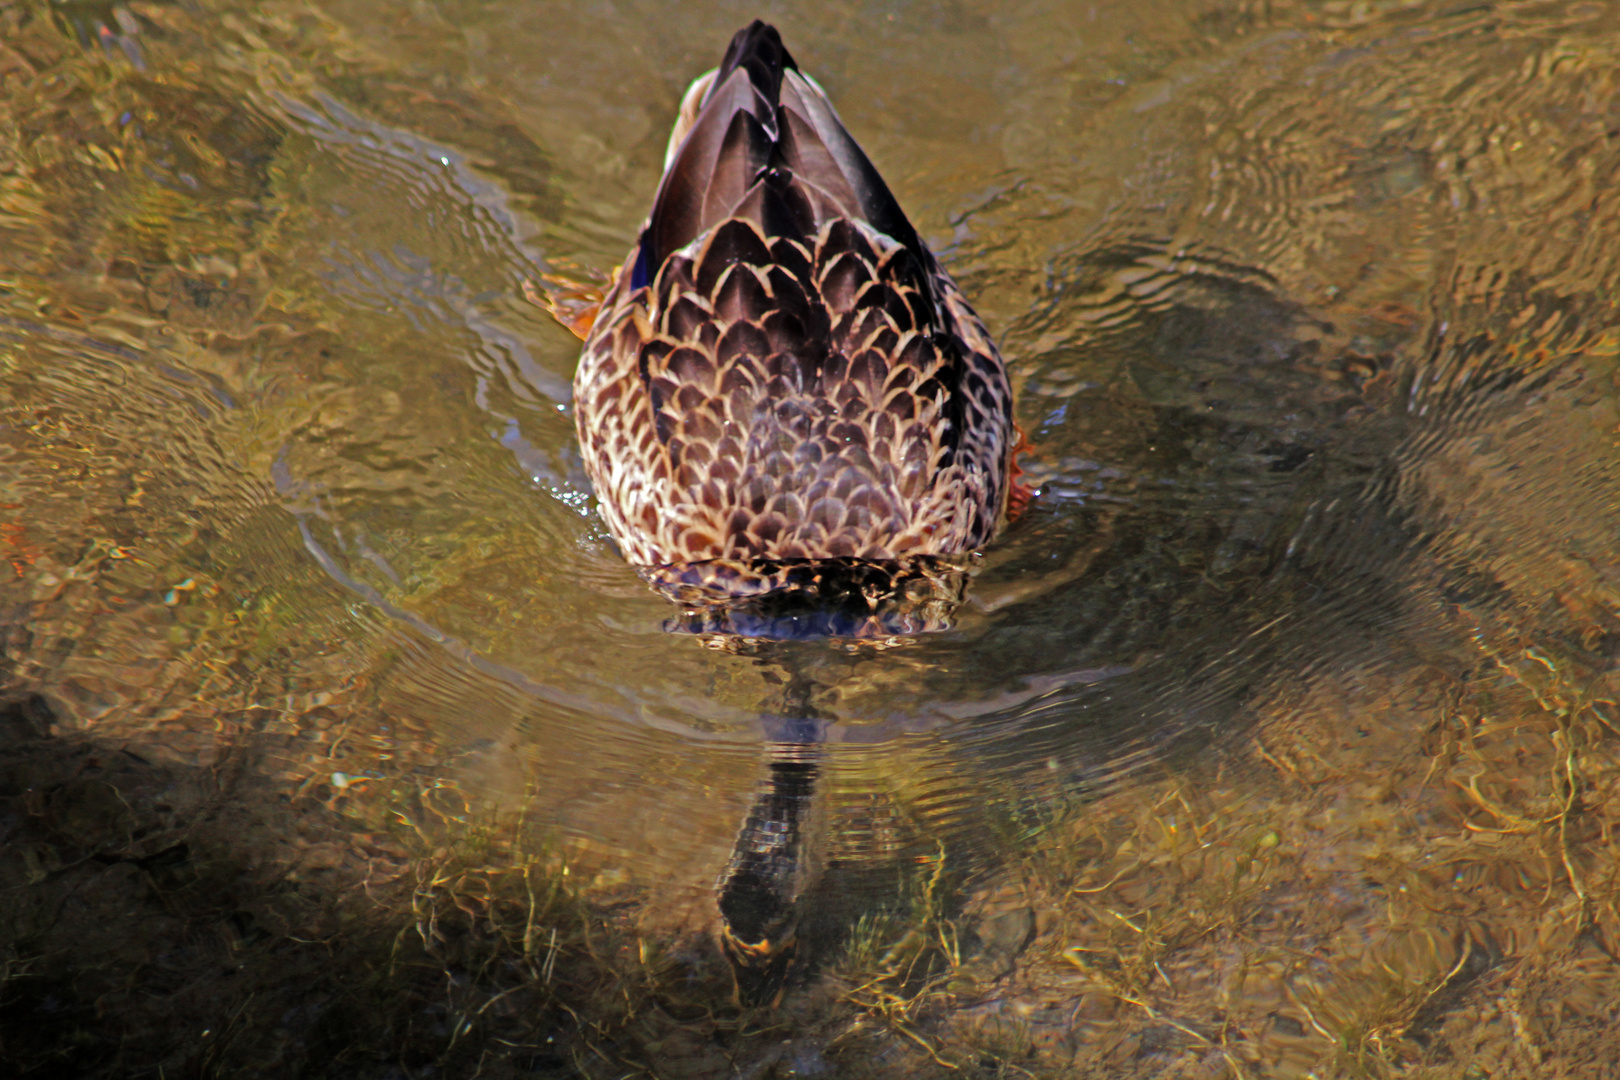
{"type": "Point", "coordinates": [794, 421]}
{"type": "Point", "coordinates": [782, 391]}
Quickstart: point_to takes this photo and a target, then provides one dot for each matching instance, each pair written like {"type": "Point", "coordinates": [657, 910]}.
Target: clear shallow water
{"type": "Point", "coordinates": [1310, 310]}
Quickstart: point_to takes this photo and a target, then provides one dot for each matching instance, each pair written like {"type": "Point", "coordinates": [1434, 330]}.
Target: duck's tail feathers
{"type": "Point", "coordinates": [757, 139]}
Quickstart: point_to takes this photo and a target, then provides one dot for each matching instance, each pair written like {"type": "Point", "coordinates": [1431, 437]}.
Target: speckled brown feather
{"type": "Point", "coordinates": [781, 372]}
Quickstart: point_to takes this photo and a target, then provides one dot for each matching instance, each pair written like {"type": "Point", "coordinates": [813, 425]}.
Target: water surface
{"type": "Point", "coordinates": [1309, 307]}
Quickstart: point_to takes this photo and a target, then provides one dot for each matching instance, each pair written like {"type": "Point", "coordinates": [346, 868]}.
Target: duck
{"type": "Point", "coordinates": [782, 394]}
{"type": "Point", "coordinates": [795, 425]}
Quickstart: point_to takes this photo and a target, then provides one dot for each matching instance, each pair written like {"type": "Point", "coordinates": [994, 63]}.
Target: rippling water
{"type": "Point", "coordinates": [1310, 309]}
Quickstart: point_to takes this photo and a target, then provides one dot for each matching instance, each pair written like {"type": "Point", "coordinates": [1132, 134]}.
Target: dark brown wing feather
{"type": "Point", "coordinates": [762, 131]}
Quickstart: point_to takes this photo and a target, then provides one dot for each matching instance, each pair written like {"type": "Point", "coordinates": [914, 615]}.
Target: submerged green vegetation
{"type": "Point", "coordinates": [1396, 899]}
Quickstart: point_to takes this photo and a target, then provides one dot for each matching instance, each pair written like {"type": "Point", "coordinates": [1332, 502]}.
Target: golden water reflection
{"type": "Point", "coordinates": [1277, 740]}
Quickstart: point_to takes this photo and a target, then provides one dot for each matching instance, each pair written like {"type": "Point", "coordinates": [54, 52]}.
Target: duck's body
{"type": "Point", "coordinates": [781, 374]}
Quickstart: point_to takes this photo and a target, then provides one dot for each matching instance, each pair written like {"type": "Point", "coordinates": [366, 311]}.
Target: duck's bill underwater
{"type": "Point", "coordinates": [795, 424]}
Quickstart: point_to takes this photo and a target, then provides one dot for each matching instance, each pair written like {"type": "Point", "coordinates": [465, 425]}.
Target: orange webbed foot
{"type": "Point", "coordinates": [1019, 494]}
{"type": "Point", "coordinates": [575, 304]}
